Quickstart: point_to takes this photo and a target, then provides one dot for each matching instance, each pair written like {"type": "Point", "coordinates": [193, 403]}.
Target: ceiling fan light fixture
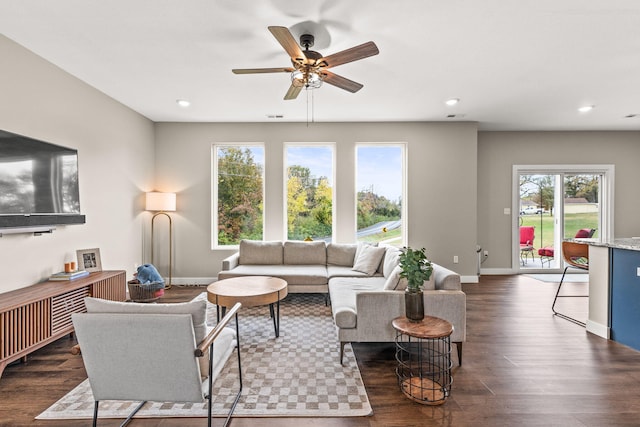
{"type": "Point", "coordinates": [307, 80]}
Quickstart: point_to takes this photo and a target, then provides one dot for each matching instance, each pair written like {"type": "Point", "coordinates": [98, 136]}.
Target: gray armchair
{"type": "Point", "coordinates": [153, 355]}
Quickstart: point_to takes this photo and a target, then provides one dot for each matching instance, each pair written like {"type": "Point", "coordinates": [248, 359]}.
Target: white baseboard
{"type": "Point", "coordinates": [598, 329]}
{"type": "Point", "coordinates": [201, 281]}
{"type": "Point", "coordinates": [497, 271]}
{"type": "Point", "coordinates": [469, 279]}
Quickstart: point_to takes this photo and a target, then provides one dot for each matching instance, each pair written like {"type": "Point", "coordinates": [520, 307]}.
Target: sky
{"type": "Point", "coordinates": [377, 166]}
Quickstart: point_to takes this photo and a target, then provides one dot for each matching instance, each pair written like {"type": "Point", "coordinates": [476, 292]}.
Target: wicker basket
{"type": "Point", "coordinates": [147, 292]}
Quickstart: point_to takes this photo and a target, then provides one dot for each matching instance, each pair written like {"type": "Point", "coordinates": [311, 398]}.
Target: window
{"type": "Point", "coordinates": [380, 188]}
{"type": "Point", "coordinates": [309, 191]}
{"type": "Point", "coordinates": [238, 196]}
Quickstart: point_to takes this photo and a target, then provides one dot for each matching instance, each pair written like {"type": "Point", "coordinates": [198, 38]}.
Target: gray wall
{"type": "Point", "coordinates": [115, 147]}
{"type": "Point", "coordinates": [499, 151]}
{"type": "Point", "coordinates": [459, 178]}
{"type": "Point", "coordinates": [441, 185]}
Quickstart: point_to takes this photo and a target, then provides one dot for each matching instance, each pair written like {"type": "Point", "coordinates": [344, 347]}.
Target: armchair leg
{"type": "Point", "coordinates": [125, 422]}
{"type": "Point", "coordinates": [210, 391]}
{"type": "Point", "coordinates": [342, 344]}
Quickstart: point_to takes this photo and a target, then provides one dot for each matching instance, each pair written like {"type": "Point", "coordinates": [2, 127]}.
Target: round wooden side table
{"type": "Point", "coordinates": [423, 353]}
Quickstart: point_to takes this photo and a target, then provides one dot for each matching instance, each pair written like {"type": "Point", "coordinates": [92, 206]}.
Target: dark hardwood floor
{"type": "Point", "coordinates": [522, 367]}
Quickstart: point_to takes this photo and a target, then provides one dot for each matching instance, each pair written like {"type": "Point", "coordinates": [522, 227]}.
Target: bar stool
{"type": "Point", "coordinates": [575, 255]}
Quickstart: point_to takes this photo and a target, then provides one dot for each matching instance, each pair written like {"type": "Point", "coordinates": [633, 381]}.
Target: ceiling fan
{"type": "Point", "coordinates": [310, 69]}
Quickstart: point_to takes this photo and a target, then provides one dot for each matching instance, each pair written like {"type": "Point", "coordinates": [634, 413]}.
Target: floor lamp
{"type": "Point", "coordinates": [162, 203]}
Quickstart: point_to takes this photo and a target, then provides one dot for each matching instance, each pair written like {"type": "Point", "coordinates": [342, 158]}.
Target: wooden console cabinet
{"type": "Point", "coordinates": [37, 315]}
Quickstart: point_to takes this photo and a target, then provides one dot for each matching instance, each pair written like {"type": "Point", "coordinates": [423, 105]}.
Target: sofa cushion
{"type": "Point", "coordinates": [341, 271]}
{"type": "Point", "coordinates": [297, 252]}
{"type": "Point", "coordinates": [368, 259]}
{"type": "Point", "coordinates": [342, 254]}
{"type": "Point", "coordinates": [254, 252]}
{"type": "Point", "coordinates": [343, 297]}
{"type": "Point", "coordinates": [391, 260]}
{"type": "Point", "coordinates": [292, 274]}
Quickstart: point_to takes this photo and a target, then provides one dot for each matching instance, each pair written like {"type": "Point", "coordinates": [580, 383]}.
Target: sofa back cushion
{"type": "Point", "coordinates": [257, 252]}
{"type": "Point", "coordinates": [391, 260]}
{"type": "Point", "coordinates": [297, 252]}
{"type": "Point", "coordinates": [342, 254]}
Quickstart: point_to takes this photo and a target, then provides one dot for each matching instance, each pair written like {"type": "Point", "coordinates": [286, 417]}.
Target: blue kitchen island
{"type": "Point", "coordinates": [614, 290]}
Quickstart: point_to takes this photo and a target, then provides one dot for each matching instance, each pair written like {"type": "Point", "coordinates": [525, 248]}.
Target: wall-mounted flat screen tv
{"type": "Point", "coordinates": [38, 183]}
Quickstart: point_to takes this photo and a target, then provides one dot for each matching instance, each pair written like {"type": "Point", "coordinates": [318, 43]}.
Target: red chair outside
{"type": "Point", "coordinates": [527, 236]}
{"type": "Point", "coordinates": [547, 253]}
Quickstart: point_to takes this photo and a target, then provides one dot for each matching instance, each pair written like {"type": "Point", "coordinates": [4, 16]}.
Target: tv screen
{"type": "Point", "coordinates": [37, 178]}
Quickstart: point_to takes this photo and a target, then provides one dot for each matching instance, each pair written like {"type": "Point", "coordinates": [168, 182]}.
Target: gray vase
{"type": "Point", "coordinates": [414, 305]}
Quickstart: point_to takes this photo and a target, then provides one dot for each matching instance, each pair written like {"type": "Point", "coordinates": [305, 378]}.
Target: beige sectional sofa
{"type": "Point", "coordinates": [362, 282]}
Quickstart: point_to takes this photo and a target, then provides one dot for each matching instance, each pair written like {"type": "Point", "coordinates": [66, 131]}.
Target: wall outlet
{"type": "Point", "coordinates": [455, 259]}
{"type": "Point", "coordinates": [486, 253]}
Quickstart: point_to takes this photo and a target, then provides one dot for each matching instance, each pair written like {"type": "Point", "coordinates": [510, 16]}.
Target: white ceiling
{"type": "Point", "coordinates": [514, 64]}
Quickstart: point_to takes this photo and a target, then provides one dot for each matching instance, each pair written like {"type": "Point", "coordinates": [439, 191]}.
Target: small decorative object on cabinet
{"type": "Point", "coordinates": [89, 260]}
{"type": "Point", "coordinates": [416, 268]}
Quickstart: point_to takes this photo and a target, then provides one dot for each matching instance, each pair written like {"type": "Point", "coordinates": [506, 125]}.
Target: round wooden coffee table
{"type": "Point", "coordinates": [250, 291]}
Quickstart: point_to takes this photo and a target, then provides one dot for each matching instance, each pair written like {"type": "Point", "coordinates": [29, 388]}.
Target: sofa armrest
{"type": "Point", "coordinates": [376, 310]}
{"type": "Point", "coordinates": [445, 279]}
{"type": "Point", "coordinates": [231, 261]}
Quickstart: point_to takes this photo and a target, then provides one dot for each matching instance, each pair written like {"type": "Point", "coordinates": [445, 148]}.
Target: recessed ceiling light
{"type": "Point", "coordinates": [451, 102]}
{"type": "Point", "coordinates": [183, 103]}
{"type": "Point", "coordinates": [586, 108]}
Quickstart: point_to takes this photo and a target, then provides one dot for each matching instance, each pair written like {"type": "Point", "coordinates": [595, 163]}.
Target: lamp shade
{"type": "Point", "coordinates": [161, 201]}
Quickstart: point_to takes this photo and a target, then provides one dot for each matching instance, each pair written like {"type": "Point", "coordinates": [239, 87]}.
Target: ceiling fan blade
{"type": "Point", "coordinates": [349, 55]}
{"type": "Point", "coordinates": [293, 92]}
{"type": "Point", "coordinates": [341, 82]}
{"type": "Point", "coordinates": [284, 37]}
{"type": "Point", "coordinates": [262, 70]}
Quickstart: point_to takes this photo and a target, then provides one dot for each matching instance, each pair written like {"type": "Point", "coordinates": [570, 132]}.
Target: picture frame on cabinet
{"type": "Point", "coordinates": [89, 260]}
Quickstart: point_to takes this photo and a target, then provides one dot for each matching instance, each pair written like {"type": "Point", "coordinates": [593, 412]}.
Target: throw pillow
{"type": "Point", "coordinates": [368, 259]}
{"type": "Point", "coordinates": [391, 260]}
{"type": "Point", "coordinates": [393, 279]}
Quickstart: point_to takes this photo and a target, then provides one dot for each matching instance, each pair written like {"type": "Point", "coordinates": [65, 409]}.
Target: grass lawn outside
{"type": "Point", "coordinates": [544, 226]}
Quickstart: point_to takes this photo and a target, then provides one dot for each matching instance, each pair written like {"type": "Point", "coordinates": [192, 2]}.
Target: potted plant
{"type": "Point", "coordinates": [416, 268]}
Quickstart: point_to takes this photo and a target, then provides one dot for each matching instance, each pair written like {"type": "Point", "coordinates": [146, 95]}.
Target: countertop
{"type": "Point", "coordinates": [629, 243]}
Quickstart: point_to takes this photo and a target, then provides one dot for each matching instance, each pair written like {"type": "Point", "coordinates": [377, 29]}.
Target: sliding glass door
{"type": "Point", "coordinates": [554, 203]}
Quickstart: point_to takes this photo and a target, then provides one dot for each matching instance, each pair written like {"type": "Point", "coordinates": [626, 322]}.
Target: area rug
{"type": "Point", "coordinates": [295, 375]}
{"type": "Point", "coordinates": [555, 278]}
